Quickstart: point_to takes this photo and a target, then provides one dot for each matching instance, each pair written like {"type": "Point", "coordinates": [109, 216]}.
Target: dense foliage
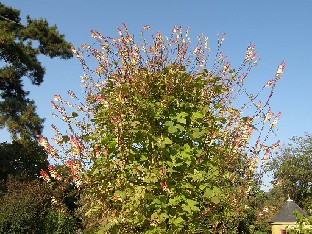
{"type": "Point", "coordinates": [31, 207]}
{"type": "Point", "coordinates": [265, 205]}
{"type": "Point", "coordinates": [292, 170]}
{"type": "Point", "coordinates": [25, 202]}
{"type": "Point", "coordinates": [22, 161]}
{"type": "Point", "coordinates": [20, 46]}
{"type": "Point", "coordinates": [23, 207]}
{"type": "Point", "coordinates": [161, 144]}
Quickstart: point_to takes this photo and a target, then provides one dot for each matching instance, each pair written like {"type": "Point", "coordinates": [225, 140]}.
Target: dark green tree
{"type": "Point", "coordinates": [24, 206]}
{"type": "Point", "coordinates": [31, 207]}
{"type": "Point", "coordinates": [21, 161]}
{"type": "Point", "coordinates": [20, 46]}
{"type": "Point", "coordinates": [292, 170]}
{"type": "Point", "coordinates": [264, 206]}
{"type": "Point", "coordinates": [25, 203]}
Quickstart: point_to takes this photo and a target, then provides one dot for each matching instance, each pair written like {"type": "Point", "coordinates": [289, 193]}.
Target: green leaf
{"type": "Point", "coordinates": [74, 114]}
{"type": "Point", "coordinates": [181, 117]}
{"type": "Point", "coordinates": [122, 194]}
{"type": "Point", "coordinates": [169, 123]}
{"type": "Point", "coordinates": [187, 185]}
{"type": "Point", "coordinates": [155, 215]}
{"type": "Point", "coordinates": [95, 172]}
{"type": "Point", "coordinates": [181, 120]}
{"type": "Point", "coordinates": [173, 201]}
{"type": "Point", "coordinates": [105, 228]}
{"type": "Point", "coordinates": [167, 141]}
{"type": "Point", "coordinates": [197, 133]}
{"type": "Point", "coordinates": [215, 200]}
{"type": "Point", "coordinates": [190, 206]}
{"type": "Point", "coordinates": [179, 127]}
{"type": "Point", "coordinates": [163, 217]}
{"type": "Point", "coordinates": [172, 129]}
{"type": "Point", "coordinates": [208, 193]}
{"type": "Point", "coordinates": [143, 158]}
{"type": "Point", "coordinates": [197, 115]}
{"type": "Point", "coordinates": [65, 138]}
{"type": "Point", "coordinates": [134, 123]}
{"type": "Point", "coordinates": [178, 221]}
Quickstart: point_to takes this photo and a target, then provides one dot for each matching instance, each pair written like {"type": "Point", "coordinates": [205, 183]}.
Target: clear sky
{"type": "Point", "coordinates": [281, 30]}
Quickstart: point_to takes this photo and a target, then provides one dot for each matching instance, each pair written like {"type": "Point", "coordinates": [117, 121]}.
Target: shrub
{"type": "Point", "coordinates": [23, 207]}
{"type": "Point", "coordinates": [161, 143]}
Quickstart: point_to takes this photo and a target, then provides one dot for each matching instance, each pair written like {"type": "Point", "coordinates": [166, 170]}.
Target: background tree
{"type": "Point", "coordinates": [26, 207]}
{"type": "Point", "coordinates": [292, 170]}
{"type": "Point", "coordinates": [21, 161]}
{"type": "Point", "coordinates": [25, 204]}
{"type": "Point", "coordinates": [23, 207]}
{"type": "Point", "coordinates": [20, 46]}
{"type": "Point", "coordinates": [263, 207]}
{"type": "Point", "coordinates": [161, 144]}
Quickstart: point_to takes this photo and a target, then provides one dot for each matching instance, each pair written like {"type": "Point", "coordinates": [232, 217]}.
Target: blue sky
{"type": "Point", "coordinates": [281, 30]}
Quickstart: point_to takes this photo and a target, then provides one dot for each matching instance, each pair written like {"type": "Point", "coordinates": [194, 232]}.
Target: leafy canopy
{"type": "Point", "coordinates": [292, 171]}
{"type": "Point", "coordinates": [20, 46]}
{"type": "Point", "coordinates": [161, 144]}
{"type": "Point", "coordinates": [22, 161]}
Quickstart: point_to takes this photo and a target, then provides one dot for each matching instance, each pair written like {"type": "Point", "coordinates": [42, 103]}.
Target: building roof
{"type": "Point", "coordinates": [287, 213]}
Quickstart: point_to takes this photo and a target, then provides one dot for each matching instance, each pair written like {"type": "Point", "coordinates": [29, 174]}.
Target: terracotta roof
{"type": "Point", "coordinates": [287, 213]}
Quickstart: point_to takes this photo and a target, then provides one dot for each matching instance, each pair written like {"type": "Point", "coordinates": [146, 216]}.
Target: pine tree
{"type": "Point", "coordinates": [20, 46]}
{"type": "Point", "coordinates": [19, 59]}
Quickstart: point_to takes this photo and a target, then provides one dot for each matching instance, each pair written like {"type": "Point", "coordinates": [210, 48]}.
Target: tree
{"type": "Point", "coordinates": [20, 46]}
{"type": "Point", "coordinates": [25, 203]}
{"type": "Point", "coordinates": [24, 206]}
{"type": "Point", "coordinates": [161, 144]}
{"type": "Point", "coordinates": [19, 58]}
{"type": "Point", "coordinates": [292, 170]}
{"type": "Point", "coordinates": [29, 207]}
{"type": "Point", "coordinates": [264, 206]}
{"type": "Point", "coordinates": [22, 161]}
